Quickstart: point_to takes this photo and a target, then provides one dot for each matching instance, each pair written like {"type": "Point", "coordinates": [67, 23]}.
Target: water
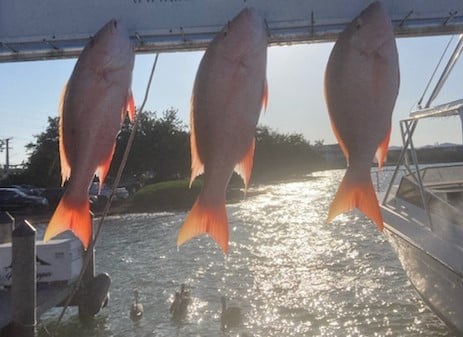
{"type": "Point", "coordinates": [290, 272]}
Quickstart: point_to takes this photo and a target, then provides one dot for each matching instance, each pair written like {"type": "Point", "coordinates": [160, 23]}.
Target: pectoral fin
{"type": "Point", "coordinates": [244, 167]}
{"type": "Point", "coordinates": [103, 168]}
{"type": "Point", "coordinates": [131, 106]}
{"type": "Point", "coordinates": [65, 166]}
{"type": "Point", "coordinates": [265, 96]}
{"type": "Point", "coordinates": [197, 166]}
{"type": "Point", "coordinates": [381, 152]}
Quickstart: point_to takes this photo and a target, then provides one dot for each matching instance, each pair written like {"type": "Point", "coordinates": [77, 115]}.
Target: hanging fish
{"type": "Point", "coordinates": [229, 91]}
{"type": "Point", "coordinates": [361, 87]}
{"type": "Point", "coordinates": [92, 108]}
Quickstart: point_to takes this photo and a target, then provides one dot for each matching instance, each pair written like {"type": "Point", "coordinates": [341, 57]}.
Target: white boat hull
{"type": "Point", "coordinates": [432, 257]}
{"type": "Point", "coordinates": [440, 287]}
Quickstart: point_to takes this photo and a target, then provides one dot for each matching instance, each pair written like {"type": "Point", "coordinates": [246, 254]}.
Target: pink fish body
{"type": "Point", "coordinates": [228, 94]}
{"type": "Point", "coordinates": [361, 87]}
{"type": "Point", "coordinates": [92, 108]}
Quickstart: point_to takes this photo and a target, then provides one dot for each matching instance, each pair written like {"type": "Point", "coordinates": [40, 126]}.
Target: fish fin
{"type": "Point", "coordinates": [65, 166]}
{"type": "Point", "coordinates": [265, 96]}
{"type": "Point", "coordinates": [206, 219]}
{"type": "Point", "coordinates": [131, 106]}
{"type": "Point", "coordinates": [244, 167]}
{"type": "Point", "coordinates": [74, 216]}
{"type": "Point", "coordinates": [354, 194]}
{"type": "Point", "coordinates": [381, 152]}
{"type": "Point", "coordinates": [197, 166]}
{"type": "Point", "coordinates": [103, 168]}
{"type": "Point", "coordinates": [340, 141]}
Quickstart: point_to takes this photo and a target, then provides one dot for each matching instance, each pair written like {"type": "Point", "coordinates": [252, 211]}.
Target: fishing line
{"type": "Point", "coordinates": [89, 254]}
{"type": "Point", "coordinates": [434, 72]}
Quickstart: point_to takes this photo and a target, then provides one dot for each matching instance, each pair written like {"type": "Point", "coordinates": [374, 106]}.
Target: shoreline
{"type": "Point", "coordinates": [180, 199]}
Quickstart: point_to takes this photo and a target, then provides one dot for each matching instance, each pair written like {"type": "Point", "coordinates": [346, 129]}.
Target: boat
{"type": "Point", "coordinates": [423, 215]}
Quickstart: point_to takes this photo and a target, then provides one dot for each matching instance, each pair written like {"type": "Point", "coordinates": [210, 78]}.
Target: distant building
{"type": "Point", "coordinates": [439, 153]}
{"type": "Point", "coordinates": [332, 154]}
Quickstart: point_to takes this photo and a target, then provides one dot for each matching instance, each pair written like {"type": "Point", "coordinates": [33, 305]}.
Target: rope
{"type": "Point", "coordinates": [89, 254]}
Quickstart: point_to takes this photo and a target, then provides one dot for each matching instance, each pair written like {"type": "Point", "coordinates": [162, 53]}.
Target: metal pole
{"type": "Point", "coordinates": [448, 69]}
{"type": "Point", "coordinates": [7, 159]}
{"type": "Point", "coordinates": [23, 289]}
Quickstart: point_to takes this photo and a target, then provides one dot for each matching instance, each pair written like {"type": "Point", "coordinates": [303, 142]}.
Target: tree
{"type": "Point", "coordinates": [161, 151]}
{"type": "Point", "coordinates": [43, 165]}
{"type": "Point", "coordinates": [282, 155]}
{"type": "Point", "coordinates": [160, 147]}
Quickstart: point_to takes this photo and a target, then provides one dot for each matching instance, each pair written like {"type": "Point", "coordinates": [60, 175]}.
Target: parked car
{"type": "Point", "coordinates": [28, 189]}
{"type": "Point", "coordinates": [120, 194]}
{"type": "Point", "coordinates": [14, 199]}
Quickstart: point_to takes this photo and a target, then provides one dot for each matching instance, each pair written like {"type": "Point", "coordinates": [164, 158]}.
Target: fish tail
{"type": "Point", "coordinates": [206, 219]}
{"type": "Point", "coordinates": [74, 216]}
{"type": "Point", "coordinates": [353, 193]}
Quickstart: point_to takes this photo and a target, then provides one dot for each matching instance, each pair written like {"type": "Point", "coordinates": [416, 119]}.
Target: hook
{"type": "Point", "coordinates": [312, 23]}
{"type": "Point", "coordinates": [183, 34]}
{"type": "Point", "coordinates": [139, 39]}
{"type": "Point", "coordinates": [450, 17]}
{"type": "Point", "coordinates": [267, 28]}
{"type": "Point", "coordinates": [402, 22]}
{"type": "Point", "coordinates": [50, 44]}
{"type": "Point", "coordinates": [8, 47]}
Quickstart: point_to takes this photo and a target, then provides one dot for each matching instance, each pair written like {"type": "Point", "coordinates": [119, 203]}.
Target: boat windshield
{"type": "Point", "coordinates": [442, 191]}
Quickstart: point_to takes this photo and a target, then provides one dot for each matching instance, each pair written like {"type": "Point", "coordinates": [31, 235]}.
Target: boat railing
{"type": "Point", "coordinates": [408, 158]}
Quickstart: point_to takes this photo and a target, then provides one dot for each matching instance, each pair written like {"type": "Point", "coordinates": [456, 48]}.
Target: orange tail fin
{"type": "Point", "coordinates": [71, 216]}
{"type": "Point", "coordinates": [206, 219]}
{"type": "Point", "coordinates": [354, 194]}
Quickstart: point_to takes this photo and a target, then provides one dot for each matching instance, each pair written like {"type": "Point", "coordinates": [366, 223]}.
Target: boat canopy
{"type": "Point", "coordinates": [34, 30]}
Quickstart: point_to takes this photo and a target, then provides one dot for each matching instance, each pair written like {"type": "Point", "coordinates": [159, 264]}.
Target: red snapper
{"type": "Point", "coordinates": [92, 108]}
{"type": "Point", "coordinates": [361, 87]}
{"type": "Point", "coordinates": [229, 91]}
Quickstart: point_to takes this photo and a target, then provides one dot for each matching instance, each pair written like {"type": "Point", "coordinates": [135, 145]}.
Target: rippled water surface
{"type": "Point", "coordinates": [290, 272]}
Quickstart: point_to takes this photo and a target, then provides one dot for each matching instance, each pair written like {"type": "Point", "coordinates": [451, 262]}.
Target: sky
{"type": "Point", "coordinates": [29, 91]}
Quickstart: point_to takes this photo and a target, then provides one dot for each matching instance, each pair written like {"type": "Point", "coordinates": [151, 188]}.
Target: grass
{"type": "Point", "coordinates": [172, 195]}
{"type": "Point", "coordinates": [166, 195]}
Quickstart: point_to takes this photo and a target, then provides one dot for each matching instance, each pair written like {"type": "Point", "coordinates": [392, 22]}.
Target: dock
{"type": "Point", "coordinates": [48, 296]}
{"type": "Point", "coordinates": [36, 276]}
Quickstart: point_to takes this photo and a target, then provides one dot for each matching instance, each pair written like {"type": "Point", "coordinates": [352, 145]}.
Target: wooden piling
{"type": "Point", "coordinates": [6, 227]}
{"type": "Point", "coordinates": [23, 289]}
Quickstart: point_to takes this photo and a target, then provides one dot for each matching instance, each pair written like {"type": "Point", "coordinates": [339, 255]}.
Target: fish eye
{"type": "Point", "coordinates": [115, 24]}
{"type": "Point", "coordinates": [358, 23]}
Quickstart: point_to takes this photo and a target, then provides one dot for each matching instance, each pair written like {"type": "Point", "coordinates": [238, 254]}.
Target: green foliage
{"type": "Point", "coordinates": [43, 166]}
{"type": "Point", "coordinates": [161, 147]}
{"type": "Point", "coordinates": [161, 152]}
{"type": "Point", "coordinates": [280, 156]}
{"type": "Point", "coordinates": [173, 194]}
